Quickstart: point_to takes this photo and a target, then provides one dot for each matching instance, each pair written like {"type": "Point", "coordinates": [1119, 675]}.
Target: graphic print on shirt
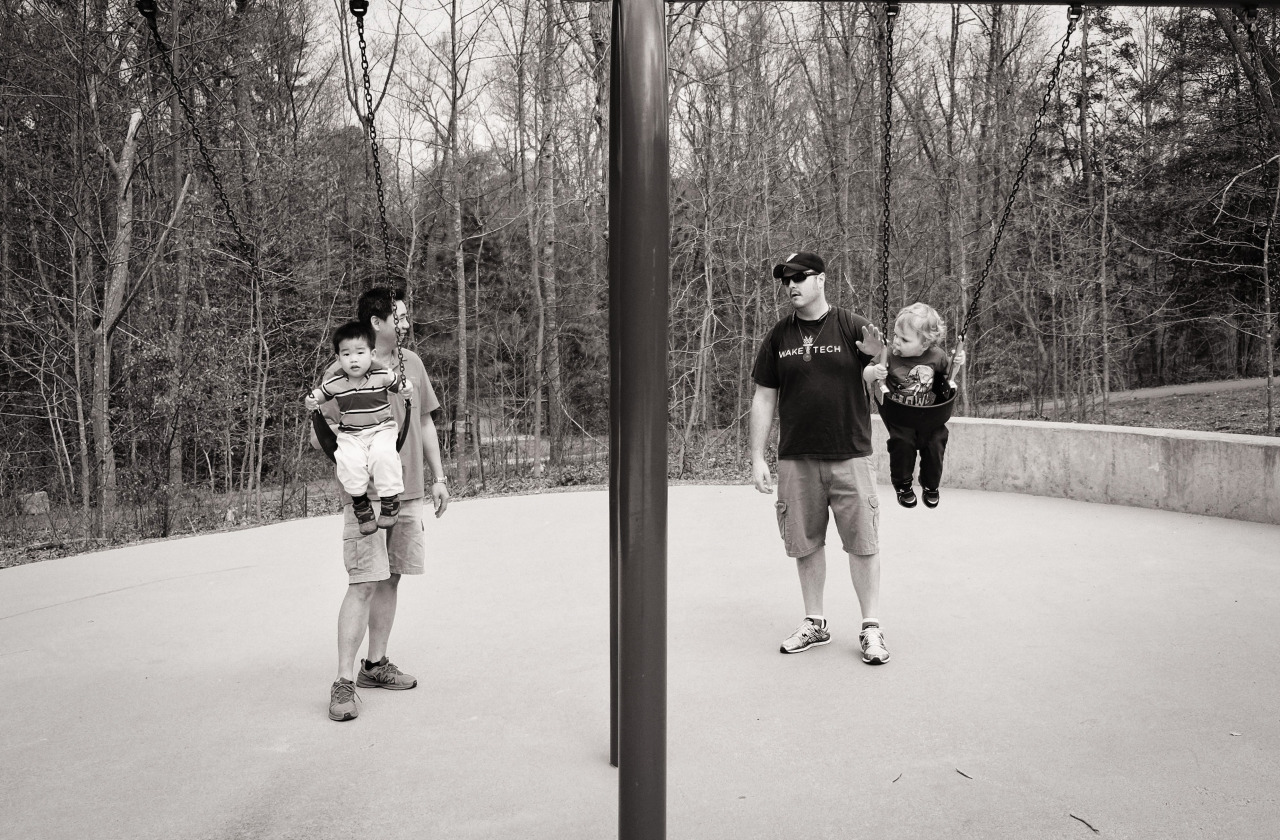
{"type": "Point", "coordinates": [918, 380]}
{"type": "Point", "coordinates": [918, 389]}
{"type": "Point", "coordinates": [809, 345]}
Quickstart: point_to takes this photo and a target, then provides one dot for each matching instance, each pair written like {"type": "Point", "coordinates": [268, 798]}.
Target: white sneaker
{"type": "Point", "coordinates": [873, 650]}
{"type": "Point", "coordinates": [808, 634]}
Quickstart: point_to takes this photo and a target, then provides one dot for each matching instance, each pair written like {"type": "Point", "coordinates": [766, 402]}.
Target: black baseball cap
{"type": "Point", "coordinates": [801, 262]}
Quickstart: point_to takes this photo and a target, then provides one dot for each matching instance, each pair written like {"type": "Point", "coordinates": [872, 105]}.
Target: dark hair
{"type": "Point", "coordinates": [377, 302]}
{"type": "Point", "coordinates": [351, 330]}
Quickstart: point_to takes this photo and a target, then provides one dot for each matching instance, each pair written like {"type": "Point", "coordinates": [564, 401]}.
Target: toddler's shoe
{"type": "Point", "coordinates": [930, 496]}
{"type": "Point", "coordinates": [906, 496]}
{"type": "Point", "coordinates": [364, 515]}
{"type": "Point", "coordinates": [390, 512]}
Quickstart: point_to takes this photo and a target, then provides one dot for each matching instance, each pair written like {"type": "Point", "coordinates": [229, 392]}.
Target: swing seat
{"type": "Point", "coordinates": [328, 439]}
{"type": "Point", "coordinates": [922, 418]}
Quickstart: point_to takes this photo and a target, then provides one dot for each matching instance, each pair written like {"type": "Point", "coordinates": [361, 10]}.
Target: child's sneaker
{"type": "Point", "coordinates": [364, 515]}
{"type": "Point", "coordinates": [930, 496]}
{"type": "Point", "coordinates": [906, 496]}
{"type": "Point", "coordinates": [390, 512]}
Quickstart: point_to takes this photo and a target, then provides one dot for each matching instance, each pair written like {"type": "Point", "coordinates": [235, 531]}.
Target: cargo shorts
{"type": "Point", "coordinates": [400, 549]}
{"type": "Point", "coordinates": [808, 486]}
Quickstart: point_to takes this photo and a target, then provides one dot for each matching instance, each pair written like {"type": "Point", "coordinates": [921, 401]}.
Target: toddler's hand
{"type": "Point", "coordinates": [960, 357]}
{"type": "Point", "coordinates": [406, 389]}
{"type": "Point", "coordinates": [311, 403]}
{"type": "Point", "coordinates": [880, 371]}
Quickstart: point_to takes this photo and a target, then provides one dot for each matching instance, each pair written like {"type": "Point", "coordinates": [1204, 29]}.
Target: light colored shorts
{"type": "Point", "coordinates": [400, 549]}
{"type": "Point", "coordinates": [808, 486]}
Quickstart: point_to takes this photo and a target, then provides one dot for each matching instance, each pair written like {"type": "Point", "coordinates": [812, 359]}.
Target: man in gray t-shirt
{"type": "Point", "coordinates": [375, 562]}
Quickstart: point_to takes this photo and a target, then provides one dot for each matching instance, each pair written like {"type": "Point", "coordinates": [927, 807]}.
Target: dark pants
{"type": "Point", "coordinates": [904, 442]}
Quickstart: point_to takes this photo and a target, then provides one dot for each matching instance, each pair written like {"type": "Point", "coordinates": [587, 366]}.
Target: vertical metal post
{"type": "Point", "coordinates": [615, 386]}
{"type": "Point", "coordinates": [639, 237]}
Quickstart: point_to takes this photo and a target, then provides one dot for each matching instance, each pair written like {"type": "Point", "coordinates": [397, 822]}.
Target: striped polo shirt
{"type": "Point", "coordinates": [363, 402]}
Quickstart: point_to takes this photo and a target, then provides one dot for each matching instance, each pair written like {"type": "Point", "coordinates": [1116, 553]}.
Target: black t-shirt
{"type": "Point", "coordinates": [919, 380]}
{"type": "Point", "coordinates": [822, 405]}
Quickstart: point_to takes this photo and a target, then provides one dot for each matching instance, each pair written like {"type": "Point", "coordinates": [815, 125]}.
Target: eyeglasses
{"type": "Point", "coordinates": [794, 278]}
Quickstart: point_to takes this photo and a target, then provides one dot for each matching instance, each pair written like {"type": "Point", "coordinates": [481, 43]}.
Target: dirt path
{"type": "Point", "coordinates": [1151, 393]}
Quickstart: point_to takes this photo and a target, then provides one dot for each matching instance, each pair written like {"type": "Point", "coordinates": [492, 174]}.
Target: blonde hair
{"type": "Point", "coordinates": [925, 320]}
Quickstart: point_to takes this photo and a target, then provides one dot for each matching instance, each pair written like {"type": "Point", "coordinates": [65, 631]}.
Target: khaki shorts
{"type": "Point", "coordinates": [399, 550]}
{"type": "Point", "coordinates": [807, 486]}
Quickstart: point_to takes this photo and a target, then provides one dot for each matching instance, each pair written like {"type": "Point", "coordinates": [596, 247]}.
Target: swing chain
{"type": "Point", "coordinates": [148, 10]}
{"type": "Point", "coordinates": [358, 9]}
{"type": "Point", "coordinates": [891, 15]}
{"type": "Point", "coordinates": [395, 332]}
{"type": "Point", "coordinates": [1073, 15]}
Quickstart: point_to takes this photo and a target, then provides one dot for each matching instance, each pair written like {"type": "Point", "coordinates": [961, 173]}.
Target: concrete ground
{"type": "Point", "coordinates": [1060, 670]}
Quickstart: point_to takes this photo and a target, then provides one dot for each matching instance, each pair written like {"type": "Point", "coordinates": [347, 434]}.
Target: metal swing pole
{"type": "Point", "coordinates": [615, 387]}
{"type": "Point", "coordinates": [639, 254]}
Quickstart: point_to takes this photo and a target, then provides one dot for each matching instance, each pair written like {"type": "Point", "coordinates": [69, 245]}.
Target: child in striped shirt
{"type": "Point", "coordinates": [367, 431]}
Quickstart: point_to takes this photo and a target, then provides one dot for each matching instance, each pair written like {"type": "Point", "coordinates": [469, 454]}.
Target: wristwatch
{"type": "Point", "coordinates": [441, 480]}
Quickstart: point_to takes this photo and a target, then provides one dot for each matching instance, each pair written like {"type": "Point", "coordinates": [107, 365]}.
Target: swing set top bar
{"type": "Point", "coordinates": [1207, 4]}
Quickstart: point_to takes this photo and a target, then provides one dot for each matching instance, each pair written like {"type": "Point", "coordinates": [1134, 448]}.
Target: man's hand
{"type": "Point", "coordinates": [872, 343]}
{"type": "Point", "coordinates": [440, 498]}
{"type": "Point", "coordinates": [760, 476]}
{"type": "Point", "coordinates": [406, 389]}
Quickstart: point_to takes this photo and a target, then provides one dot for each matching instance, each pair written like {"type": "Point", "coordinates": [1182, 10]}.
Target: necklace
{"type": "Point", "coordinates": [808, 340]}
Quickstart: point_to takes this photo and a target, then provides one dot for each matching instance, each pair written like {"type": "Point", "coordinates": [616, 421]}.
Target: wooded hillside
{"type": "Point", "coordinates": [149, 365]}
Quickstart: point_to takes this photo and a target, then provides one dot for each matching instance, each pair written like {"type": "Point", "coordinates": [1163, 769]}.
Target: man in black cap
{"type": "Point", "coordinates": [810, 369]}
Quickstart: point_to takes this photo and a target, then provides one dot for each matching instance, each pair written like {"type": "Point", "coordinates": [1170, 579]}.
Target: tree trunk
{"type": "Point", "coordinates": [7, 226]}
{"type": "Point", "coordinates": [453, 172]}
{"type": "Point", "coordinates": [1102, 294]}
{"type": "Point", "coordinates": [182, 286]}
{"type": "Point", "coordinates": [113, 301]}
{"type": "Point", "coordinates": [546, 211]}
{"type": "Point", "coordinates": [81, 268]}
{"type": "Point", "coordinates": [1267, 315]}
{"type": "Point", "coordinates": [987, 195]}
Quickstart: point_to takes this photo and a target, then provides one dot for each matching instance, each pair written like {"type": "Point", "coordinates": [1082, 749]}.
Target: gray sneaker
{"type": "Point", "coordinates": [808, 634]}
{"type": "Point", "coordinates": [385, 675]}
{"type": "Point", "coordinates": [342, 700]}
{"type": "Point", "coordinates": [873, 650]}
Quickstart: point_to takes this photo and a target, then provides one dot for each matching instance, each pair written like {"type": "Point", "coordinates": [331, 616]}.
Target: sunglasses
{"type": "Point", "coordinates": [794, 278]}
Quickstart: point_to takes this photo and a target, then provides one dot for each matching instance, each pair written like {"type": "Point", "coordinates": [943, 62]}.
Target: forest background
{"type": "Point", "coordinates": [152, 377]}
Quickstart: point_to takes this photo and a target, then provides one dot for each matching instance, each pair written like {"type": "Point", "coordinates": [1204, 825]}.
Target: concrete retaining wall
{"type": "Point", "coordinates": [1232, 476]}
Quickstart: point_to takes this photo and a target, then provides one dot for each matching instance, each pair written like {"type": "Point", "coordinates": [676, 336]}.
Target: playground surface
{"type": "Point", "coordinates": [1060, 670]}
